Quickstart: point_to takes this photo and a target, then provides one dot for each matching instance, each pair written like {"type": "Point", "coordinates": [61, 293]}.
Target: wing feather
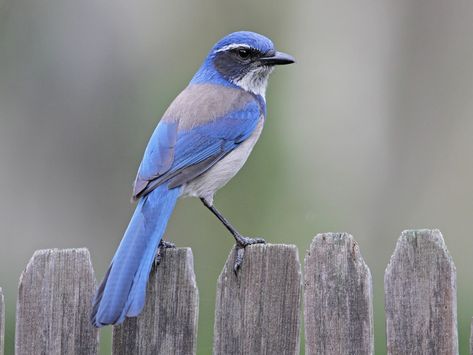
{"type": "Point", "coordinates": [177, 156]}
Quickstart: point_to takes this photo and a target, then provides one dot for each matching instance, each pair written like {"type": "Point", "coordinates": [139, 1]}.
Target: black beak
{"type": "Point", "coordinates": [278, 58]}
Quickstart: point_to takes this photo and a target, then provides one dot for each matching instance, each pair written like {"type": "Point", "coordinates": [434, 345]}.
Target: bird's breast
{"type": "Point", "coordinates": [205, 185]}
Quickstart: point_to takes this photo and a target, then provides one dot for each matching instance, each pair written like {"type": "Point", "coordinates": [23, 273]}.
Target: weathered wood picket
{"type": "Point", "coordinates": [2, 321]}
{"type": "Point", "coordinates": [54, 302]}
{"type": "Point", "coordinates": [421, 296]}
{"type": "Point", "coordinates": [172, 298]}
{"type": "Point", "coordinates": [338, 297]}
{"type": "Point", "coordinates": [258, 311]}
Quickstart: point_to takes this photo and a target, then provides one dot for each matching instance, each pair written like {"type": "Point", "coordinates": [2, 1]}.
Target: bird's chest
{"type": "Point", "coordinates": [216, 177]}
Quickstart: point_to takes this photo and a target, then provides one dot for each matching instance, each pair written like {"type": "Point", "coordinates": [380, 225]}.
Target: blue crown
{"type": "Point", "coordinates": [251, 39]}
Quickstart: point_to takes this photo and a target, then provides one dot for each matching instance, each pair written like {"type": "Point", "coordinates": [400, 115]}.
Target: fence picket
{"type": "Point", "coordinates": [420, 296]}
{"type": "Point", "coordinates": [258, 310]}
{"type": "Point", "coordinates": [168, 323]}
{"type": "Point", "coordinates": [2, 322]}
{"type": "Point", "coordinates": [54, 302]}
{"type": "Point", "coordinates": [471, 337]}
{"type": "Point", "coordinates": [337, 297]}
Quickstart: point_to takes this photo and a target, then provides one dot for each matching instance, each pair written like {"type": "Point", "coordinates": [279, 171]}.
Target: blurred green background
{"type": "Point", "coordinates": [370, 132]}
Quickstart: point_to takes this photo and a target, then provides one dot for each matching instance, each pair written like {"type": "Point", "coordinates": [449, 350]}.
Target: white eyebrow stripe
{"type": "Point", "coordinates": [232, 46]}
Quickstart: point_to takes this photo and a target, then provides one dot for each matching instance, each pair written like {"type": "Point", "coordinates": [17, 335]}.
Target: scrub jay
{"type": "Point", "coordinates": [201, 142]}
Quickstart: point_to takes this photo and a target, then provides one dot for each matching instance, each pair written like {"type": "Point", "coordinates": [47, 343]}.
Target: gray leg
{"type": "Point", "coordinates": [241, 241]}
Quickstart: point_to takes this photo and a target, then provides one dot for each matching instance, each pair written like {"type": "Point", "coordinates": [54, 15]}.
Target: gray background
{"type": "Point", "coordinates": [370, 132]}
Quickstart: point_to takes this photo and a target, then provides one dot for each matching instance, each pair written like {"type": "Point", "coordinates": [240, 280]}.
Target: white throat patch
{"type": "Point", "coordinates": [255, 81]}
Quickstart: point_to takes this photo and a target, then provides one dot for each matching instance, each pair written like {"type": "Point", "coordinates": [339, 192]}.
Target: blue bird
{"type": "Point", "coordinates": [201, 142]}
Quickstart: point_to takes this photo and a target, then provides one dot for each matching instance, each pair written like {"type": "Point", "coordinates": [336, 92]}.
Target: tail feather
{"type": "Point", "coordinates": [123, 289]}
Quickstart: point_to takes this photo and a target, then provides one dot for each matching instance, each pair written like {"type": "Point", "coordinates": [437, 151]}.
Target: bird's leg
{"type": "Point", "coordinates": [241, 241]}
{"type": "Point", "coordinates": [162, 245]}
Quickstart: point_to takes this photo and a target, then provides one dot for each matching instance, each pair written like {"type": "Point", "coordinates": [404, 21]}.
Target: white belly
{"type": "Point", "coordinates": [216, 177]}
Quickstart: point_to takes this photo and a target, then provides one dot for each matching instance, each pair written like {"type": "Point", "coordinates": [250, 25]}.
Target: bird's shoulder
{"type": "Point", "coordinates": [199, 104]}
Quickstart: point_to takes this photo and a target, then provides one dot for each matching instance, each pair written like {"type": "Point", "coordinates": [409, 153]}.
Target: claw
{"type": "Point", "coordinates": [238, 259]}
{"type": "Point", "coordinates": [166, 245]}
{"type": "Point", "coordinates": [242, 243]}
{"type": "Point", "coordinates": [162, 245]}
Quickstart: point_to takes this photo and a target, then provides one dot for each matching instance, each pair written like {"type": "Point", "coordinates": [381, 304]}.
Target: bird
{"type": "Point", "coordinates": [202, 140]}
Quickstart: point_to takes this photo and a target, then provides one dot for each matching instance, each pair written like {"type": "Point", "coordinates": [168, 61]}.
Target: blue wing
{"type": "Point", "coordinates": [178, 156]}
{"type": "Point", "coordinates": [158, 156]}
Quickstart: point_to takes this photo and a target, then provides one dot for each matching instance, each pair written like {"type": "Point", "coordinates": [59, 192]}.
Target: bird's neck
{"type": "Point", "coordinates": [255, 81]}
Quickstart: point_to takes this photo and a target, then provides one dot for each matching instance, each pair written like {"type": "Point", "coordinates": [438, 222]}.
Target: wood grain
{"type": "Point", "coordinates": [258, 310]}
{"type": "Point", "coordinates": [471, 337]}
{"type": "Point", "coordinates": [2, 322]}
{"type": "Point", "coordinates": [168, 323]}
{"type": "Point", "coordinates": [54, 303]}
{"type": "Point", "coordinates": [337, 297]}
{"type": "Point", "coordinates": [420, 296]}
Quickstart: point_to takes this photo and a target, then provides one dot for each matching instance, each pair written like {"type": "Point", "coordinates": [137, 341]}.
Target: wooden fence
{"type": "Point", "coordinates": [258, 311]}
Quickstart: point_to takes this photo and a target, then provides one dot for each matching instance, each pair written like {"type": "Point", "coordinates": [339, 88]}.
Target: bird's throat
{"type": "Point", "coordinates": [255, 81]}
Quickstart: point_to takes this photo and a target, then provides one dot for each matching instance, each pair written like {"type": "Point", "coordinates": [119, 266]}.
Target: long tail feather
{"type": "Point", "coordinates": [123, 289]}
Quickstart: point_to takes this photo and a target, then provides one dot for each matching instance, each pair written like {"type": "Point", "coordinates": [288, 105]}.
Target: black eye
{"type": "Point", "coordinates": [243, 53]}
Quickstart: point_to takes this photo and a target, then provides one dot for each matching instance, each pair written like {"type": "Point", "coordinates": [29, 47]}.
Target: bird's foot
{"type": "Point", "coordinates": [242, 243]}
{"type": "Point", "coordinates": [162, 245]}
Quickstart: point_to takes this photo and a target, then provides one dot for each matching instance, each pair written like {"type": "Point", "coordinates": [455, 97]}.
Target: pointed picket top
{"type": "Point", "coordinates": [2, 322]}
{"type": "Point", "coordinates": [471, 337]}
{"type": "Point", "coordinates": [54, 303]}
{"type": "Point", "coordinates": [258, 309]}
{"type": "Point", "coordinates": [421, 296]}
{"type": "Point", "coordinates": [168, 323]}
{"type": "Point", "coordinates": [338, 297]}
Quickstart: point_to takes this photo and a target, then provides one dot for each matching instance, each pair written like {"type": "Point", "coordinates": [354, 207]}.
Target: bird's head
{"type": "Point", "coordinates": [244, 59]}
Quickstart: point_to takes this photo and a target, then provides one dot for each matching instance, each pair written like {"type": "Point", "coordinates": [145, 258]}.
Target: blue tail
{"type": "Point", "coordinates": [123, 289]}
